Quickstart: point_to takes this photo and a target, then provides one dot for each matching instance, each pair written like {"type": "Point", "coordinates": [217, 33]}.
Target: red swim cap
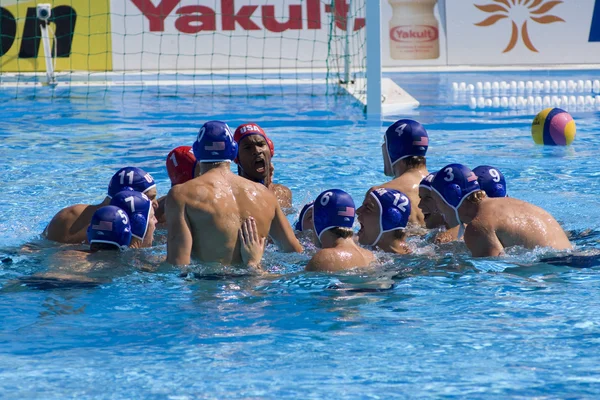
{"type": "Point", "coordinates": [180, 165]}
{"type": "Point", "coordinates": [251, 129]}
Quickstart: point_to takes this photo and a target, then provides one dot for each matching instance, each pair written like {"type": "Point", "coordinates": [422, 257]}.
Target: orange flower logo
{"type": "Point", "coordinates": [519, 11]}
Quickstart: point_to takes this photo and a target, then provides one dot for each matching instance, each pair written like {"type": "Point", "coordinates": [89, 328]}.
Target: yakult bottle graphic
{"type": "Point", "coordinates": [414, 31]}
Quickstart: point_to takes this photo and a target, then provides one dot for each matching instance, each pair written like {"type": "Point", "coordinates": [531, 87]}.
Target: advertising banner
{"type": "Point", "coordinates": [230, 34]}
{"type": "Point", "coordinates": [517, 32]}
{"type": "Point", "coordinates": [413, 33]}
{"type": "Point", "coordinates": [80, 36]}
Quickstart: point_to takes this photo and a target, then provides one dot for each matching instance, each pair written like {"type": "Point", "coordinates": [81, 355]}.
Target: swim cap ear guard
{"type": "Point", "coordinates": [137, 206]}
{"type": "Point", "coordinates": [110, 225]}
{"type": "Point", "coordinates": [215, 143]}
{"type": "Point", "coordinates": [332, 209]}
{"type": "Point", "coordinates": [406, 138]}
{"type": "Point", "coordinates": [394, 210]}
{"type": "Point", "coordinates": [491, 180]}
{"type": "Point", "coordinates": [299, 225]}
{"type": "Point", "coordinates": [454, 183]}
{"type": "Point", "coordinates": [181, 164]}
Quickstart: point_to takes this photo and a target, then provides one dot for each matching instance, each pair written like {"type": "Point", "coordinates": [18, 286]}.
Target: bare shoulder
{"type": "Point", "coordinates": [368, 256]}
{"type": "Point", "coordinates": [283, 194]}
{"type": "Point", "coordinates": [323, 260]}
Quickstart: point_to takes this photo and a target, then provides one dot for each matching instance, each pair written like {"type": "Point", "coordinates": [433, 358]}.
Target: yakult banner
{"type": "Point", "coordinates": [229, 34]}
{"type": "Point", "coordinates": [413, 33]}
{"type": "Point", "coordinates": [507, 32]}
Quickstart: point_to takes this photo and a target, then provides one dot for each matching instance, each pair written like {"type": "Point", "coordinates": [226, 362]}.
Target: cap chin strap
{"type": "Point", "coordinates": [461, 229]}
{"type": "Point", "coordinates": [214, 161]}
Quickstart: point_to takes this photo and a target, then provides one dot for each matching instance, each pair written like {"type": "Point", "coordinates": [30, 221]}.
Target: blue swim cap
{"type": "Point", "coordinates": [394, 210]}
{"type": "Point", "coordinates": [110, 224]}
{"type": "Point", "coordinates": [137, 206]}
{"type": "Point", "coordinates": [406, 138]}
{"type": "Point", "coordinates": [131, 178]}
{"type": "Point", "coordinates": [426, 182]}
{"type": "Point", "coordinates": [303, 212]}
{"type": "Point", "coordinates": [333, 208]}
{"type": "Point", "coordinates": [454, 183]}
{"type": "Point", "coordinates": [491, 181]}
{"type": "Point", "coordinates": [215, 143]}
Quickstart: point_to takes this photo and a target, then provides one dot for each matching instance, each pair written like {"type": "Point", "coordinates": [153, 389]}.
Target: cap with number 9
{"type": "Point", "coordinates": [491, 180]}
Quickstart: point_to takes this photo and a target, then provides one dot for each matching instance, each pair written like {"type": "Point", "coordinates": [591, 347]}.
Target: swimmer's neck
{"type": "Point", "coordinates": [468, 211]}
{"type": "Point", "coordinates": [330, 241]}
{"type": "Point", "coordinates": [205, 167]}
{"type": "Point", "coordinates": [391, 244]}
{"type": "Point", "coordinates": [401, 168]}
{"type": "Point", "coordinates": [105, 202]}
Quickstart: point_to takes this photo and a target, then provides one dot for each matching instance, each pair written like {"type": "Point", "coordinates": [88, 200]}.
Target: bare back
{"type": "Point", "coordinates": [204, 216]}
{"type": "Point", "coordinates": [344, 256]}
{"type": "Point", "coordinates": [505, 222]}
{"type": "Point", "coordinates": [408, 183]}
{"type": "Point", "coordinates": [70, 224]}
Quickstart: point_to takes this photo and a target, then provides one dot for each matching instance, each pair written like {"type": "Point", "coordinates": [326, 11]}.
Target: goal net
{"type": "Point", "coordinates": [208, 46]}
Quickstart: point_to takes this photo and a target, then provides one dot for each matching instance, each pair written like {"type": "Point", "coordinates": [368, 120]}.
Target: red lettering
{"type": "Point", "coordinates": [313, 14]}
{"type": "Point", "coordinates": [156, 15]}
{"type": "Point", "coordinates": [271, 24]}
{"type": "Point", "coordinates": [340, 13]}
{"type": "Point", "coordinates": [242, 17]}
{"type": "Point", "coordinates": [206, 21]}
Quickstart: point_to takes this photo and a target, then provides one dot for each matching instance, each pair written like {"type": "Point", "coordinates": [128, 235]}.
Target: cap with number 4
{"type": "Point", "coordinates": [405, 138]}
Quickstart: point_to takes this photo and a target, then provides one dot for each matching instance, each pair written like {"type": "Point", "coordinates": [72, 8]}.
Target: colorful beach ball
{"type": "Point", "coordinates": [553, 127]}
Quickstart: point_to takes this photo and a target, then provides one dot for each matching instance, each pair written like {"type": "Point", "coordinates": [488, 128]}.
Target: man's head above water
{"type": "Point", "coordinates": [255, 151]}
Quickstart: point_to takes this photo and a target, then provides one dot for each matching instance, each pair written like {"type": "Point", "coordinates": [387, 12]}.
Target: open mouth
{"type": "Point", "coordinates": [259, 166]}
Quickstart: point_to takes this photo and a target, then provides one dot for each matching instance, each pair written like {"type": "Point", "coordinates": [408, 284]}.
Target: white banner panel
{"type": "Point", "coordinates": [413, 33]}
{"type": "Point", "coordinates": [509, 32]}
{"type": "Point", "coordinates": [230, 34]}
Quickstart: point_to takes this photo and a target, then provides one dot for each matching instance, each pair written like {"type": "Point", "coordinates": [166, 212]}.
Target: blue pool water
{"type": "Point", "coordinates": [450, 326]}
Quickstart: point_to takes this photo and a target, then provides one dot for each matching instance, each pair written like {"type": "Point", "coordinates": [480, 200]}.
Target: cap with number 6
{"type": "Point", "coordinates": [332, 209]}
{"type": "Point", "coordinates": [137, 206]}
{"type": "Point", "coordinates": [491, 180]}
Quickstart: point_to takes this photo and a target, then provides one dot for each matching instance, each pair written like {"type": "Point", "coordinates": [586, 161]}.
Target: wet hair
{"type": "Point", "coordinates": [415, 161]}
{"type": "Point", "coordinates": [103, 246]}
{"type": "Point", "coordinates": [476, 197]}
{"type": "Point", "coordinates": [343, 233]}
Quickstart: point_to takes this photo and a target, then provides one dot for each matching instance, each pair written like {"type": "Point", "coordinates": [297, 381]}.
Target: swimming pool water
{"type": "Point", "coordinates": [448, 325]}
